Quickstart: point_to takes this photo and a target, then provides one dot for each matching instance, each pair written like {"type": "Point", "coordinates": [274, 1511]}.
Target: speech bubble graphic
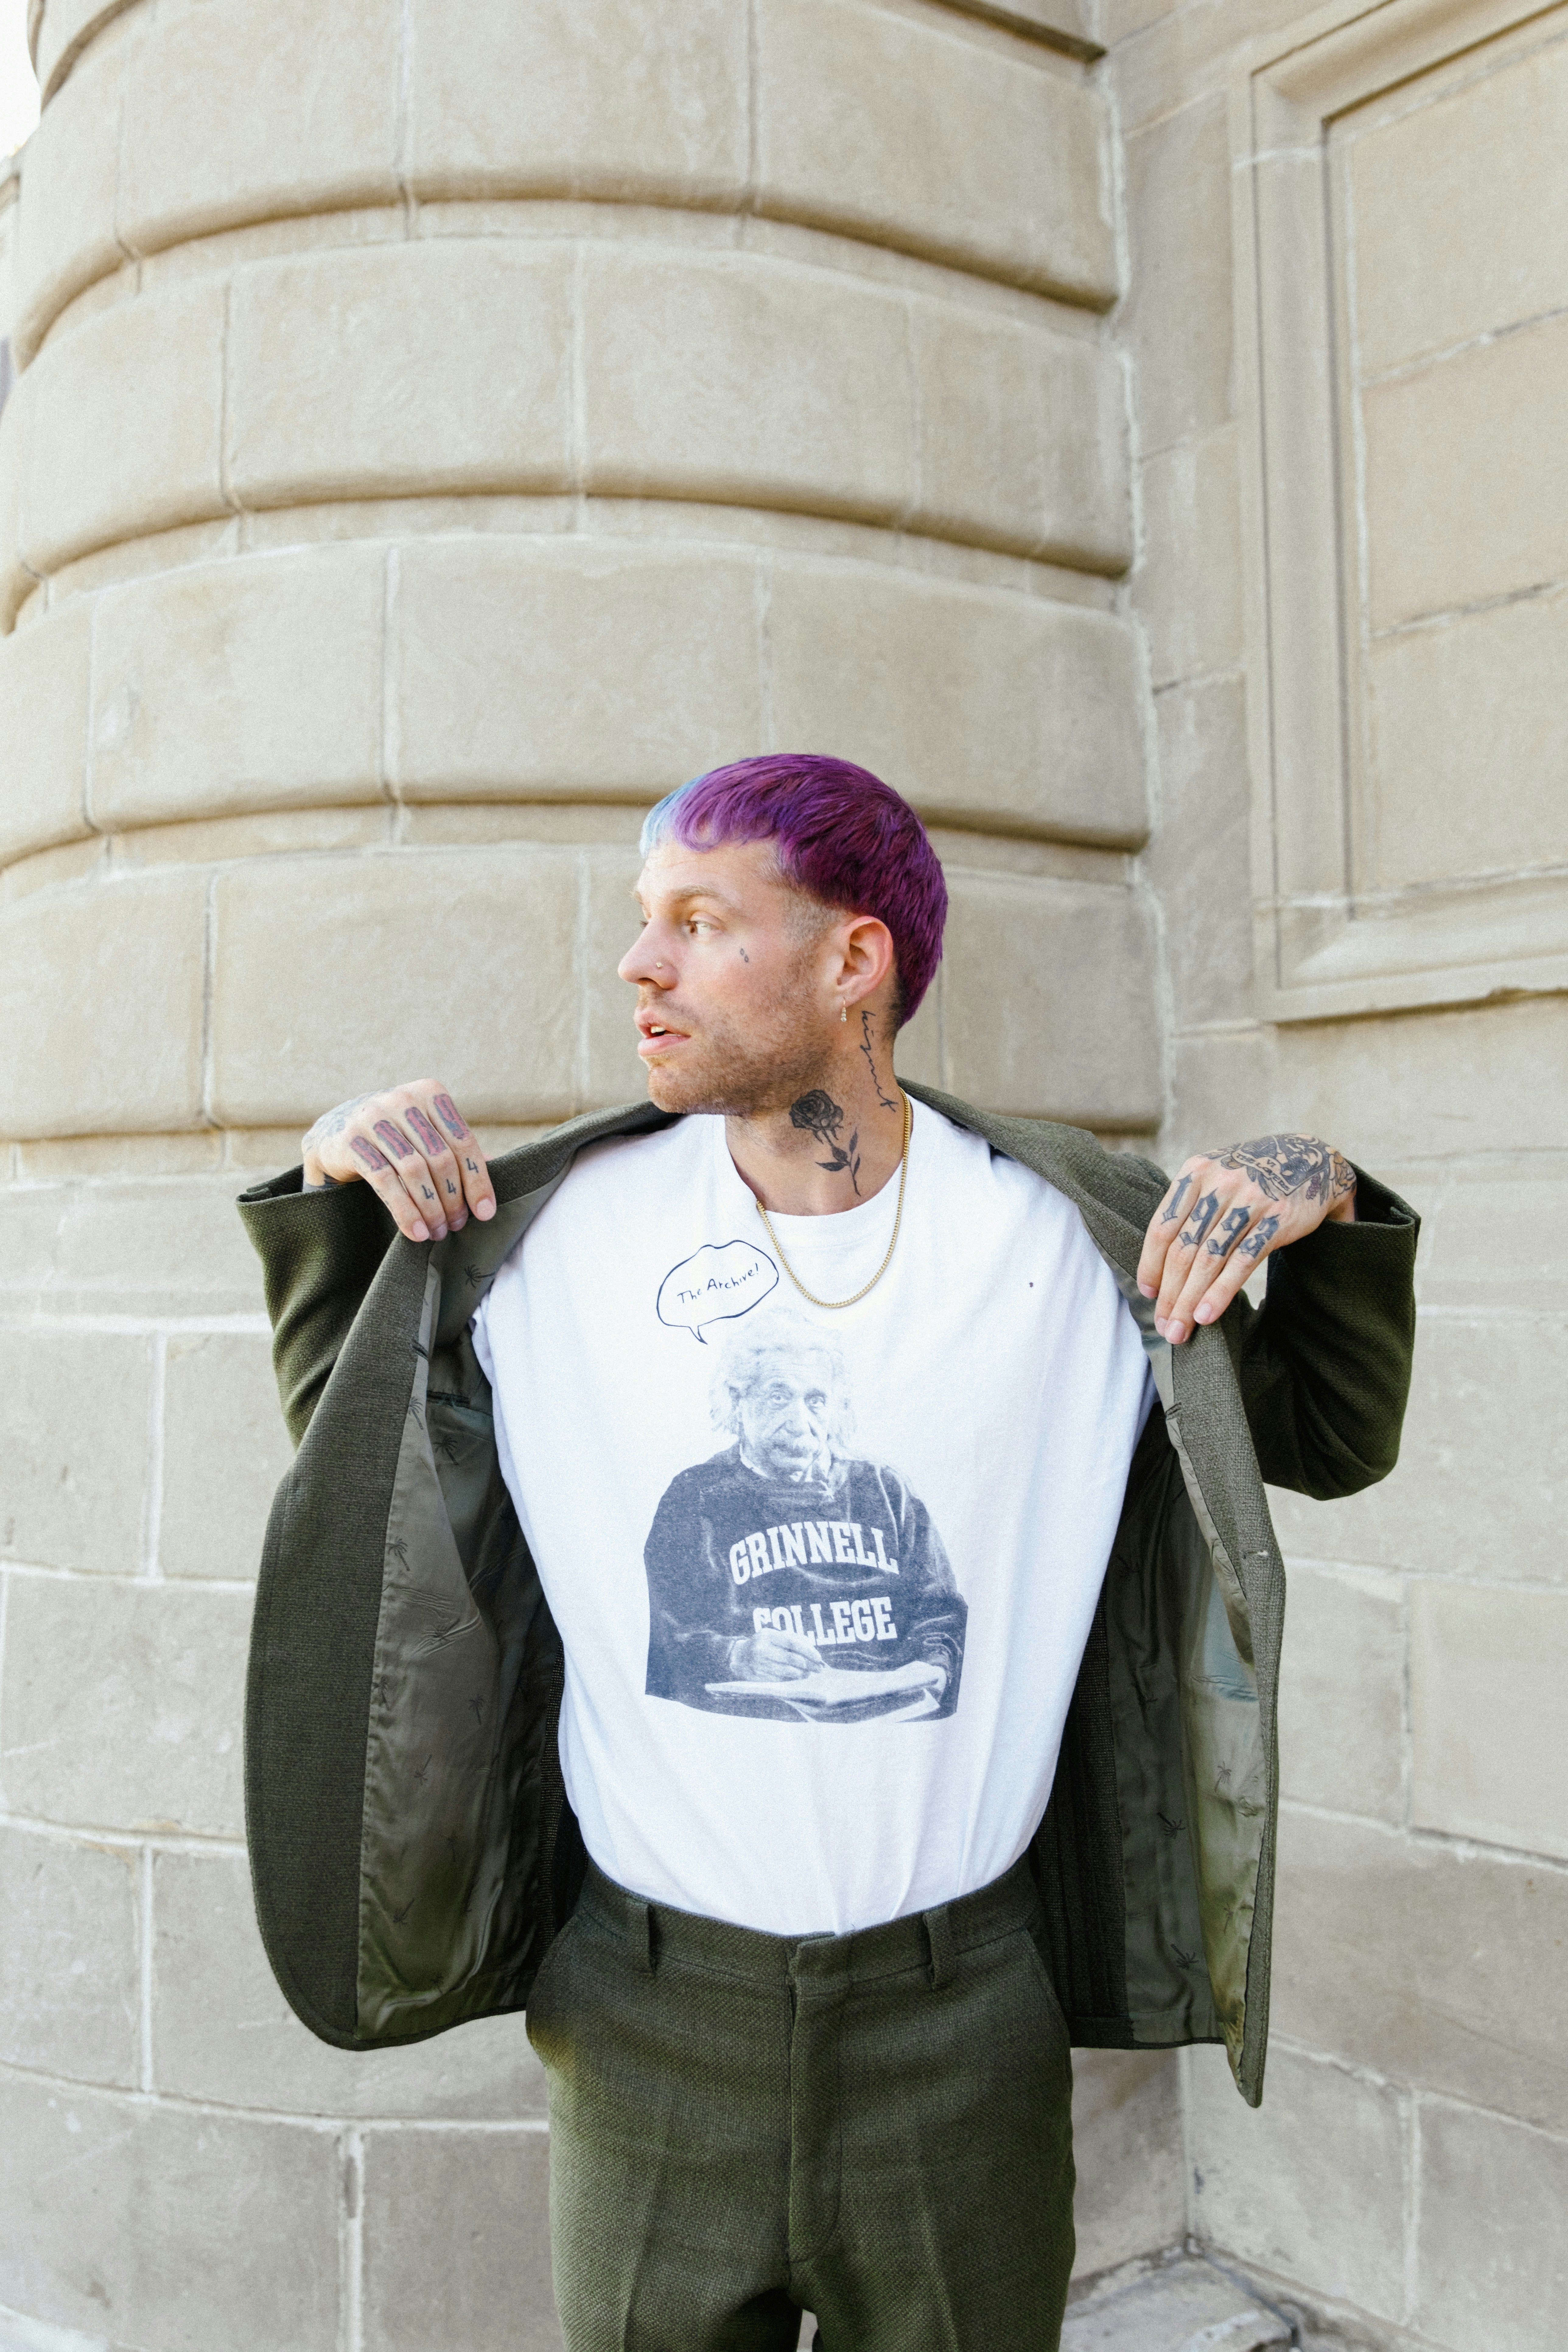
{"type": "Point", "coordinates": [715, 1283]}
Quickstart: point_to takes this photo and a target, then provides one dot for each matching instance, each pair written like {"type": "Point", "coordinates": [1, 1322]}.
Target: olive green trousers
{"type": "Point", "coordinates": [875, 2127]}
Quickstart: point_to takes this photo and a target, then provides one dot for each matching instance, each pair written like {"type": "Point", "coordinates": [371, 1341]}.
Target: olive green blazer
{"type": "Point", "coordinates": [412, 1848]}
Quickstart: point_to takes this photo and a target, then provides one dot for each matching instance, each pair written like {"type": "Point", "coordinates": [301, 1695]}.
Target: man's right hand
{"type": "Point", "coordinates": [771, 1658]}
{"type": "Point", "coordinates": [413, 1146]}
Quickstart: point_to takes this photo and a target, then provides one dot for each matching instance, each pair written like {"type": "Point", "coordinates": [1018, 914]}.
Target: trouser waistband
{"type": "Point", "coordinates": [660, 1937]}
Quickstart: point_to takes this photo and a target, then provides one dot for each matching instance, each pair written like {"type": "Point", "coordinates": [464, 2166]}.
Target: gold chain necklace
{"type": "Point", "coordinates": [892, 1245]}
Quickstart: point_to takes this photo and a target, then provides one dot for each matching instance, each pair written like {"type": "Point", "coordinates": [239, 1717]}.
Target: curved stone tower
{"type": "Point", "coordinates": [438, 430]}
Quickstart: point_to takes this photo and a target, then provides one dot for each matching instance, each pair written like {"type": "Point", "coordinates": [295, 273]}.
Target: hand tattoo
{"type": "Point", "coordinates": [1171, 1215]}
{"type": "Point", "coordinates": [448, 1113]}
{"type": "Point", "coordinates": [422, 1128]}
{"type": "Point", "coordinates": [1204, 1212]}
{"type": "Point", "coordinates": [396, 1142]}
{"type": "Point", "coordinates": [1259, 1239]}
{"type": "Point", "coordinates": [1229, 1232]}
{"type": "Point", "coordinates": [818, 1114]}
{"type": "Point", "coordinates": [886, 1101]}
{"type": "Point", "coordinates": [332, 1122]}
{"type": "Point", "coordinates": [368, 1156]}
{"type": "Point", "coordinates": [1281, 1165]}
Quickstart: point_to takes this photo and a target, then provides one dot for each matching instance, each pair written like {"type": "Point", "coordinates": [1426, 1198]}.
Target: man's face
{"type": "Point", "coordinates": [786, 1419]}
{"type": "Point", "coordinates": [733, 975]}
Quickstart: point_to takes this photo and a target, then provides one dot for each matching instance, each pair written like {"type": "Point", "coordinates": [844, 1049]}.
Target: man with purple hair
{"type": "Point", "coordinates": [811, 1838]}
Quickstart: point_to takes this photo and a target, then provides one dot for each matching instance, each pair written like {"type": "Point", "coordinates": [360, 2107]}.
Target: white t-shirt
{"type": "Point", "coordinates": [919, 1492]}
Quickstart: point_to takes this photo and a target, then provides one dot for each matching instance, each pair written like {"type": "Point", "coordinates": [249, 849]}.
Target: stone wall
{"type": "Point", "coordinates": [439, 431]}
{"type": "Point", "coordinates": [1347, 274]}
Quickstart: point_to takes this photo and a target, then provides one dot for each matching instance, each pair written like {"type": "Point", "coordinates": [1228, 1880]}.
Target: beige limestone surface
{"type": "Point", "coordinates": [436, 435]}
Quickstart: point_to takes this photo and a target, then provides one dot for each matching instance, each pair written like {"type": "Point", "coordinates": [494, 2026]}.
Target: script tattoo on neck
{"type": "Point", "coordinates": [818, 1114]}
{"type": "Point", "coordinates": [1281, 1165]}
{"type": "Point", "coordinates": [885, 1102]}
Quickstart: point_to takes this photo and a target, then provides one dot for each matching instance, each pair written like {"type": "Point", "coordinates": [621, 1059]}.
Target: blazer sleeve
{"type": "Point", "coordinates": [319, 1253]}
{"type": "Point", "coordinates": [1325, 1364]}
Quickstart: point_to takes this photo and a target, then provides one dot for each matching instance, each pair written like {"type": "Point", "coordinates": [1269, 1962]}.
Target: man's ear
{"type": "Point", "coordinates": [869, 958]}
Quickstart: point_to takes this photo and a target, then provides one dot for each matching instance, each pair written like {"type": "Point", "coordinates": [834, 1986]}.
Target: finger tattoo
{"type": "Point", "coordinates": [1259, 1239]}
{"type": "Point", "coordinates": [1225, 1241]}
{"type": "Point", "coordinates": [396, 1142]}
{"type": "Point", "coordinates": [368, 1156]}
{"type": "Point", "coordinates": [332, 1122]}
{"type": "Point", "coordinates": [423, 1129]}
{"type": "Point", "coordinates": [447, 1111]}
{"type": "Point", "coordinates": [1204, 1212]}
{"type": "Point", "coordinates": [1171, 1215]}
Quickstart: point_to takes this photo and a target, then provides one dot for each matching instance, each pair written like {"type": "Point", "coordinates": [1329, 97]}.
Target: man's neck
{"type": "Point", "coordinates": [837, 1144]}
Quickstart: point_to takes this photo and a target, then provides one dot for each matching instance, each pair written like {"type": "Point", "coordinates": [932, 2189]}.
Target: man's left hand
{"type": "Point", "coordinates": [1223, 1214]}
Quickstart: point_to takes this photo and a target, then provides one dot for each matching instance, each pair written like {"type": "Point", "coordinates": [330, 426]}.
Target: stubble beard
{"type": "Point", "coordinates": [747, 1073]}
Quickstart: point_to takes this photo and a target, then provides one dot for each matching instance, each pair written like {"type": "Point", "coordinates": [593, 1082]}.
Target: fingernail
{"type": "Point", "coordinates": [1176, 1332]}
{"type": "Point", "coordinates": [485, 1210]}
{"type": "Point", "coordinates": [1160, 1326]}
{"type": "Point", "coordinates": [1204, 1313]}
{"type": "Point", "coordinates": [440, 1232]}
{"type": "Point", "coordinates": [1147, 1290]}
{"type": "Point", "coordinates": [420, 1231]}
{"type": "Point", "coordinates": [459, 1222]}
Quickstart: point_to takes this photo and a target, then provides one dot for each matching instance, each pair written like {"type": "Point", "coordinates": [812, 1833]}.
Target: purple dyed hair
{"type": "Point", "coordinates": [840, 835]}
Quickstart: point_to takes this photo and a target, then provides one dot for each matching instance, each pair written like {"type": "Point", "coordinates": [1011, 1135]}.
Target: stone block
{"type": "Point", "coordinates": [1437, 1968]}
{"type": "Point", "coordinates": [250, 110]}
{"type": "Point", "coordinates": [120, 1245]}
{"type": "Point", "coordinates": [1177, 314]}
{"type": "Point", "coordinates": [1467, 477]}
{"type": "Point", "coordinates": [122, 424]}
{"type": "Point", "coordinates": [984, 708]}
{"type": "Point", "coordinates": [1487, 1668]}
{"type": "Point", "coordinates": [122, 1705]}
{"type": "Point", "coordinates": [1311, 2185]}
{"type": "Point", "coordinates": [568, 668]}
{"type": "Point", "coordinates": [142, 2224]}
{"type": "Point", "coordinates": [614, 1073]}
{"type": "Point", "coordinates": [43, 707]}
{"type": "Point", "coordinates": [223, 2032]}
{"type": "Point", "coordinates": [441, 366]}
{"type": "Point", "coordinates": [1127, 2141]}
{"type": "Point", "coordinates": [1342, 1693]}
{"type": "Point", "coordinates": [246, 685]}
{"type": "Point", "coordinates": [1480, 1484]}
{"type": "Point", "coordinates": [1173, 2306]}
{"type": "Point", "coordinates": [114, 1042]}
{"type": "Point", "coordinates": [1021, 438]}
{"type": "Point", "coordinates": [743, 379]}
{"type": "Point", "coordinates": [915, 133]}
{"type": "Point", "coordinates": [1048, 1000]}
{"type": "Point", "coordinates": [1490, 1234]}
{"type": "Point", "coordinates": [63, 30]}
{"type": "Point", "coordinates": [457, 2242]}
{"type": "Point", "coordinates": [285, 1047]}
{"type": "Point", "coordinates": [69, 1957]}
{"type": "Point", "coordinates": [73, 1434]}
{"type": "Point", "coordinates": [618, 100]}
{"type": "Point", "coordinates": [65, 224]}
{"type": "Point", "coordinates": [1442, 1083]}
{"type": "Point", "coordinates": [1200, 860]}
{"type": "Point", "coordinates": [220, 1407]}
{"type": "Point", "coordinates": [1469, 696]}
{"type": "Point", "coordinates": [1492, 2251]}
{"type": "Point", "coordinates": [1188, 582]}
{"type": "Point", "coordinates": [1448, 245]}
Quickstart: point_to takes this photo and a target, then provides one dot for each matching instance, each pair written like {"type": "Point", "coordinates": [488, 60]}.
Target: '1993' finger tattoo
{"type": "Point", "coordinates": [447, 1111]}
{"type": "Point", "coordinates": [368, 1156]}
{"type": "Point", "coordinates": [396, 1142]}
{"type": "Point", "coordinates": [1259, 1239]}
{"type": "Point", "coordinates": [423, 1129]}
{"type": "Point", "coordinates": [1171, 1214]}
{"type": "Point", "coordinates": [1281, 1165]}
{"type": "Point", "coordinates": [1204, 1212]}
{"type": "Point", "coordinates": [1225, 1241]}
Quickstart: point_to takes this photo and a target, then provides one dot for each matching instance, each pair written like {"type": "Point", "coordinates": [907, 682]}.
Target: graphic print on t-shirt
{"type": "Point", "coordinates": [789, 1581]}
